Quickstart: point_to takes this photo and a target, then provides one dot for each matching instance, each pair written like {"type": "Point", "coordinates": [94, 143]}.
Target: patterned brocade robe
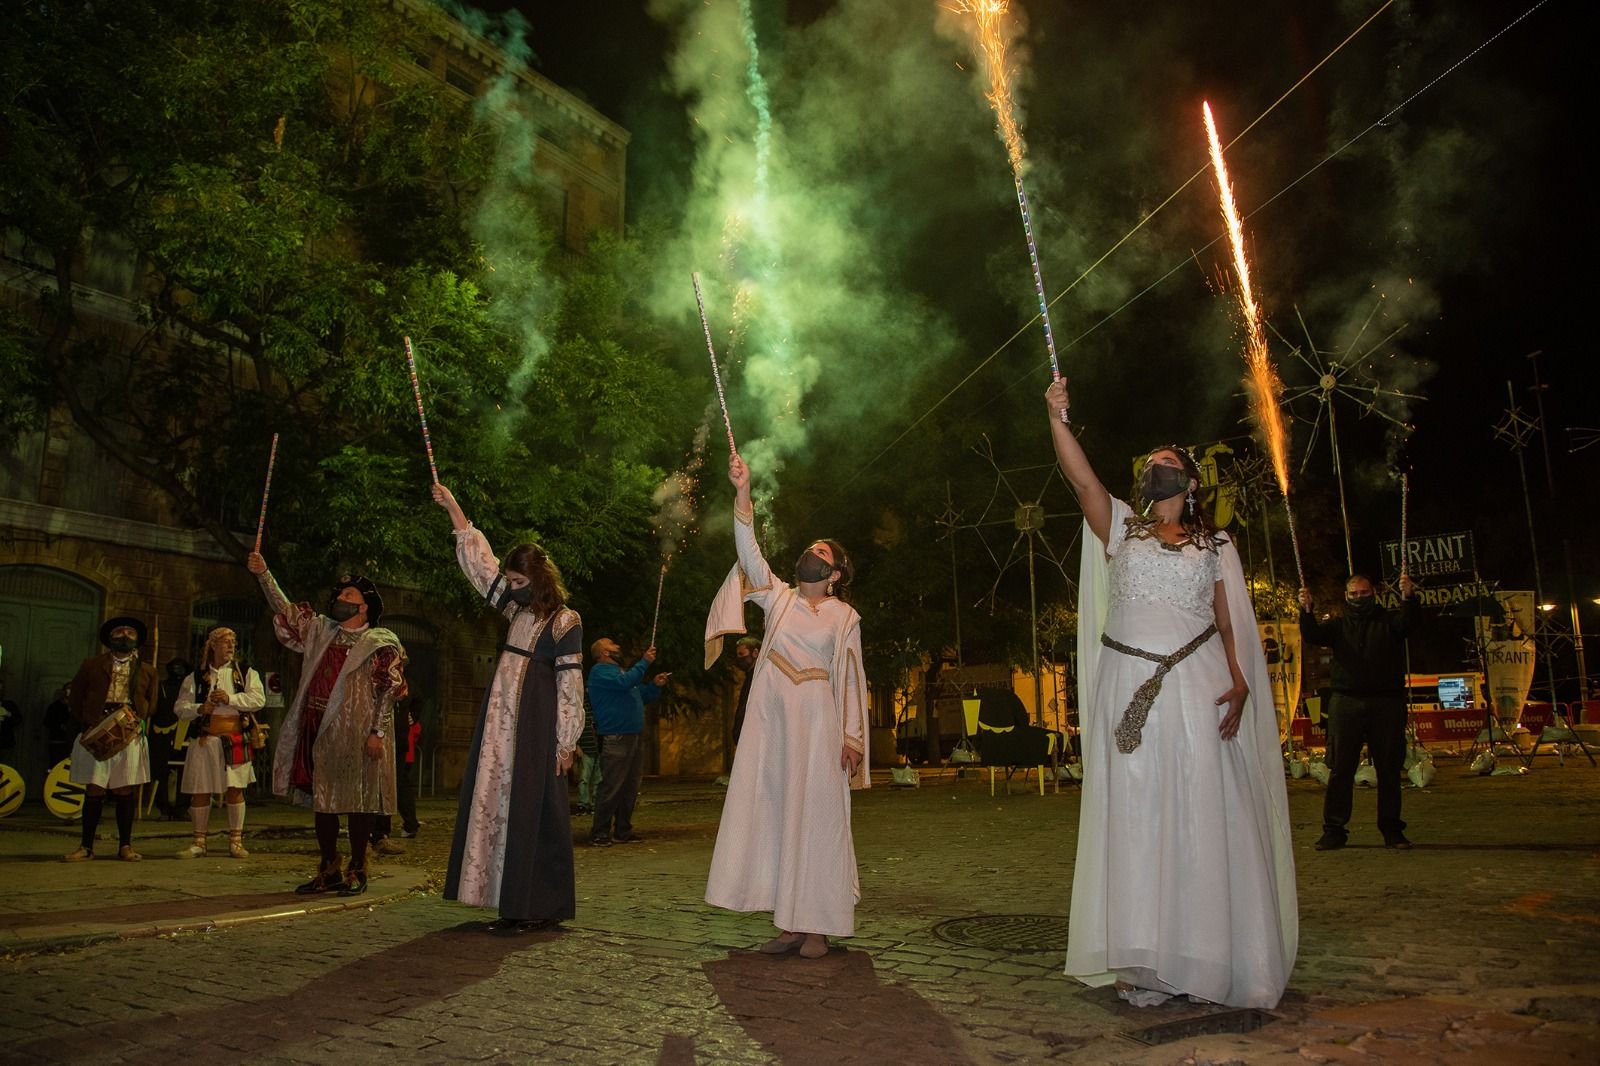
{"type": "Point", "coordinates": [513, 838]}
{"type": "Point", "coordinates": [348, 688]}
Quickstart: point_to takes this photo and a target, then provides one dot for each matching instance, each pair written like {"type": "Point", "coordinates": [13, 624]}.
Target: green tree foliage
{"type": "Point", "coordinates": [289, 195]}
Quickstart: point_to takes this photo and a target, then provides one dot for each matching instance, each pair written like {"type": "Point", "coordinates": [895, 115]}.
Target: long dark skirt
{"type": "Point", "coordinates": [538, 881]}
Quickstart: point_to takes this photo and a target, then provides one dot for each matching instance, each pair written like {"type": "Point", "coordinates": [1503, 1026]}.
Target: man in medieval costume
{"type": "Point", "coordinates": [113, 685]}
{"type": "Point", "coordinates": [337, 741]}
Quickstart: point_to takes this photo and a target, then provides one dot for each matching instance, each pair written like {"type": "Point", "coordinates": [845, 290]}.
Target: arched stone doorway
{"type": "Point", "coordinates": [48, 625]}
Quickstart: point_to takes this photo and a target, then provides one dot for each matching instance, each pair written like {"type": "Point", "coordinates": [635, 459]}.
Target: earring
{"type": "Point", "coordinates": [1191, 503]}
{"type": "Point", "coordinates": [830, 588]}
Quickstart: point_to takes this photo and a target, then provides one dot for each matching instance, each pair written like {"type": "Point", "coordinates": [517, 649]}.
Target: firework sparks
{"type": "Point", "coordinates": [989, 21]}
{"type": "Point", "coordinates": [1264, 383]}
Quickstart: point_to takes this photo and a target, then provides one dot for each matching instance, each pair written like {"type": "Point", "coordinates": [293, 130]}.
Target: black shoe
{"type": "Point", "coordinates": [515, 926]}
{"type": "Point", "coordinates": [1330, 842]}
{"type": "Point", "coordinates": [355, 882]}
{"type": "Point", "coordinates": [1397, 842]}
{"type": "Point", "coordinates": [631, 838]}
{"type": "Point", "coordinates": [599, 842]}
{"type": "Point", "coordinates": [327, 880]}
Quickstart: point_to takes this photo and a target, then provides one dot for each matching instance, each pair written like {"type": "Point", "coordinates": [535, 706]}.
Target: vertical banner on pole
{"type": "Point", "coordinates": [1509, 652]}
{"type": "Point", "coordinates": [1280, 641]}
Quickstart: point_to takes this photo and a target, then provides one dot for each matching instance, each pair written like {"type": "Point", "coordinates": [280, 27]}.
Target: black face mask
{"type": "Point", "coordinates": [812, 567]}
{"type": "Point", "coordinates": [1162, 482]}
{"type": "Point", "coordinates": [343, 610]}
{"type": "Point", "coordinates": [122, 644]}
{"type": "Point", "coordinates": [521, 597]}
{"type": "Point", "coordinates": [1361, 604]}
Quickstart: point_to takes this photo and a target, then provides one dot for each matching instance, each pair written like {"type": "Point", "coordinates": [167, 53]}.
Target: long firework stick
{"type": "Point", "coordinates": [1294, 542]}
{"type": "Point", "coordinates": [711, 349]}
{"type": "Point", "coordinates": [660, 584]}
{"type": "Point", "coordinates": [416, 390]}
{"type": "Point", "coordinates": [1405, 494]}
{"type": "Point", "coordinates": [266, 490]}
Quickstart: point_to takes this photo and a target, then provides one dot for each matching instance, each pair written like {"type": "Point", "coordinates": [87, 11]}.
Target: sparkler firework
{"type": "Point", "coordinates": [416, 391]}
{"type": "Point", "coordinates": [1263, 378]}
{"type": "Point", "coordinates": [988, 19]}
{"type": "Point", "coordinates": [711, 350]}
{"type": "Point", "coordinates": [266, 490]}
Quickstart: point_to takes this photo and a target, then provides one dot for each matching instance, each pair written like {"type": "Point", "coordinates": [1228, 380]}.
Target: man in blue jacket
{"type": "Point", "coordinates": [618, 698]}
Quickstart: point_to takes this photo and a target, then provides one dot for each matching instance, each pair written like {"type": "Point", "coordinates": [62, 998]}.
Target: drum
{"type": "Point", "coordinates": [112, 735]}
{"type": "Point", "coordinates": [62, 798]}
{"type": "Point", "coordinates": [11, 791]}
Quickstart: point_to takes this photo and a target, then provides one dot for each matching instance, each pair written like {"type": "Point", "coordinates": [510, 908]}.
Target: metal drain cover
{"type": "Point", "coordinates": [1006, 932]}
{"type": "Point", "coordinates": [1227, 1021]}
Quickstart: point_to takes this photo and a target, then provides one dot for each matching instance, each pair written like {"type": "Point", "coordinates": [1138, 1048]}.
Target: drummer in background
{"type": "Point", "coordinates": [106, 684]}
{"type": "Point", "coordinates": [219, 694]}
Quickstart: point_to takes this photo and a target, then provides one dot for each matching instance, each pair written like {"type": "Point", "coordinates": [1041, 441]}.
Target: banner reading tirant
{"type": "Point", "coordinates": [1444, 566]}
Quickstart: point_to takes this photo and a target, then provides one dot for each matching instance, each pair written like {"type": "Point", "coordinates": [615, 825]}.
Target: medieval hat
{"type": "Point", "coordinates": [368, 590]}
{"type": "Point", "coordinates": [112, 624]}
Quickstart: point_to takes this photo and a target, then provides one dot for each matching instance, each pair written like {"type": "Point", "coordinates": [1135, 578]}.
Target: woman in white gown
{"type": "Point", "coordinates": [784, 842]}
{"type": "Point", "coordinates": [1184, 882]}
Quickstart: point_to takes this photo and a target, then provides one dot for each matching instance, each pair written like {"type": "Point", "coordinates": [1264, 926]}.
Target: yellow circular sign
{"type": "Point", "coordinates": [11, 791]}
{"type": "Point", "coordinates": [62, 798]}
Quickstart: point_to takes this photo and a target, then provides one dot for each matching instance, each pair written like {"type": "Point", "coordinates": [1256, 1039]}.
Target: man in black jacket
{"type": "Point", "coordinates": [1368, 705]}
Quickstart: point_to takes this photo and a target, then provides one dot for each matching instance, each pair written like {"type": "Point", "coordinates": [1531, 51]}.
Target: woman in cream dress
{"type": "Point", "coordinates": [784, 842]}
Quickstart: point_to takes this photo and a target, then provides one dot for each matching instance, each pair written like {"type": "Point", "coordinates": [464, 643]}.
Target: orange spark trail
{"type": "Point", "coordinates": [1265, 386]}
{"type": "Point", "coordinates": [987, 17]}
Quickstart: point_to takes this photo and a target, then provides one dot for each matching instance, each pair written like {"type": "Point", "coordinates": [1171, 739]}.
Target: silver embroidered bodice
{"type": "Point", "coordinates": [1146, 574]}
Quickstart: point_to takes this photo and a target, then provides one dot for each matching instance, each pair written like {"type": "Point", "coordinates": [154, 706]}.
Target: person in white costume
{"type": "Point", "coordinates": [784, 842]}
{"type": "Point", "coordinates": [1184, 882]}
{"type": "Point", "coordinates": [219, 692]}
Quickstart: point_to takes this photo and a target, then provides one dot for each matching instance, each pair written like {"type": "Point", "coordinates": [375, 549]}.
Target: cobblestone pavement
{"type": "Point", "coordinates": [1479, 946]}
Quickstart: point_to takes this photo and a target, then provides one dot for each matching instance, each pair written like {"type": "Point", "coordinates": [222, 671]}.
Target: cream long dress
{"type": "Point", "coordinates": [784, 843]}
{"type": "Point", "coordinates": [1184, 881]}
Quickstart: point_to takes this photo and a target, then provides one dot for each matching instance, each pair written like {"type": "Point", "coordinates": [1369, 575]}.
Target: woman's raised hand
{"type": "Point", "coordinates": [1056, 398]}
{"type": "Point", "coordinates": [738, 473]}
{"type": "Point", "coordinates": [443, 496]}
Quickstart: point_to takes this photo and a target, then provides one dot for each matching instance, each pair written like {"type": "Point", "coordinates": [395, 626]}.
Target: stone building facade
{"type": "Point", "coordinates": [82, 539]}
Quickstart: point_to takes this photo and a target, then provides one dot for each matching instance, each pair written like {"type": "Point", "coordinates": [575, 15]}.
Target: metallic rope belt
{"type": "Point", "coordinates": [1129, 731]}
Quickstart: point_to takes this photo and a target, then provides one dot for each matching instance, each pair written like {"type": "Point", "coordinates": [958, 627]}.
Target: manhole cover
{"type": "Point", "coordinates": [1006, 932]}
{"type": "Point", "coordinates": [1227, 1021]}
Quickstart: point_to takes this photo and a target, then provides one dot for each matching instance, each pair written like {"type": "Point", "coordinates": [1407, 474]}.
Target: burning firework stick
{"type": "Point", "coordinates": [266, 490]}
{"type": "Point", "coordinates": [660, 584]}
{"type": "Point", "coordinates": [416, 391]}
{"type": "Point", "coordinates": [987, 15]}
{"type": "Point", "coordinates": [711, 349]}
{"type": "Point", "coordinates": [1264, 382]}
{"type": "Point", "coordinates": [1405, 494]}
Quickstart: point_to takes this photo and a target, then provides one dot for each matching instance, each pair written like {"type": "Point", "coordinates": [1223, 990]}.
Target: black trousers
{"type": "Point", "coordinates": [1379, 722]}
{"type": "Point", "coordinates": [621, 770]}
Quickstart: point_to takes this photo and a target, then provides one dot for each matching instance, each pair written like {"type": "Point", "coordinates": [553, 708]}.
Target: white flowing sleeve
{"type": "Point", "coordinates": [757, 584]}
{"type": "Point", "coordinates": [1094, 599]}
{"type": "Point", "coordinates": [852, 690]}
{"type": "Point", "coordinates": [1258, 739]}
{"type": "Point", "coordinates": [254, 696]}
{"type": "Point", "coordinates": [477, 559]}
{"type": "Point", "coordinates": [185, 706]}
{"type": "Point", "coordinates": [569, 703]}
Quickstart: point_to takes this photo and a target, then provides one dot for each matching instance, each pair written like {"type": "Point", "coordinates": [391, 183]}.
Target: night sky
{"type": "Point", "coordinates": [1468, 199]}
